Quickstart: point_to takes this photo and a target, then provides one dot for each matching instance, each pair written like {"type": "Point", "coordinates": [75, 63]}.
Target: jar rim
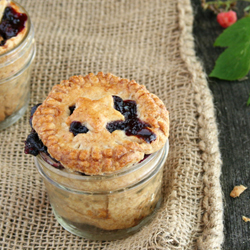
{"type": "Point", "coordinates": [119, 173]}
{"type": "Point", "coordinates": [13, 50]}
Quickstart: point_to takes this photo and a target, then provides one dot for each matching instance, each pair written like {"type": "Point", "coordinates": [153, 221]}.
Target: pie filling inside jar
{"type": "Point", "coordinates": [12, 23]}
{"type": "Point", "coordinates": [17, 52]}
{"type": "Point", "coordinates": [104, 205]}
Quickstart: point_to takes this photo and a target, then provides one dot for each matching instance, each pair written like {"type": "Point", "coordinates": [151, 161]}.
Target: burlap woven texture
{"type": "Point", "coordinates": [151, 42]}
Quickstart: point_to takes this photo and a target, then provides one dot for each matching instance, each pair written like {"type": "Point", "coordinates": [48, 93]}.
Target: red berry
{"type": "Point", "coordinates": [225, 19]}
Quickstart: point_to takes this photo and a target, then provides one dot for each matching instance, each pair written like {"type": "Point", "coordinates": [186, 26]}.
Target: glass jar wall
{"type": "Point", "coordinates": [109, 206]}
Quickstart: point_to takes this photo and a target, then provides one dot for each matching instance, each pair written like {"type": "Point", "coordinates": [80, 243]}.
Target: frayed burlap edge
{"type": "Point", "coordinates": [212, 235]}
{"type": "Point", "coordinates": [35, 227]}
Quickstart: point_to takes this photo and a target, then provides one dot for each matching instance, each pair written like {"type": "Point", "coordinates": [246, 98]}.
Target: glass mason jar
{"type": "Point", "coordinates": [15, 70]}
{"type": "Point", "coordinates": [109, 206]}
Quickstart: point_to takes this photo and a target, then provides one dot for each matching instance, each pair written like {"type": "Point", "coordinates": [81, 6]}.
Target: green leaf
{"type": "Point", "coordinates": [248, 101]}
{"type": "Point", "coordinates": [234, 62]}
{"type": "Point", "coordinates": [247, 8]}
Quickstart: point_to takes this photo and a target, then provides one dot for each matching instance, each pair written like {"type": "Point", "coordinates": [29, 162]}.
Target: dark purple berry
{"type": "Point", "coordinates": [129, 109]}
{"type": "Point", "coordinates": [77, 128]}
{"type": "Point", "coordinates": [118, 103]}
{"type": "Point", "coordinates": [53, 162]}
{"type": "Point", "coordinates": [33, 110]}
{"type": "Point", "coordinates": [83, 174]}
{"type": "Point", "coordinates": [33, 144]}
{"type": "Point", "coordinates": [117, 125]}
{"type": "Point", "coordinates": [147, 135]}
{"type": "Point", "coordinates": [132, 124]}
{"type": "Point", "coordinates": [71, 109]}
{"type": "Point", "coordinates": [145, 157]}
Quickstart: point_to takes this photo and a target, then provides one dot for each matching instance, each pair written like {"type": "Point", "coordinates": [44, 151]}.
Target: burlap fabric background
{"type": "Point", "coordinates": [151, 42]}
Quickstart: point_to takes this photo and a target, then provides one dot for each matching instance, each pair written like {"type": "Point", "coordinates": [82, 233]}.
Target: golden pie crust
{"type": "Point", "coordinates": [98, 151]}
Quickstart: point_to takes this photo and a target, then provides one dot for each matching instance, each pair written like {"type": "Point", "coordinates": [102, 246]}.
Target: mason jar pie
{"type": "Point", "coordinates": [17, 52]}
{"type": "Point", "coordinates": [100, 143]}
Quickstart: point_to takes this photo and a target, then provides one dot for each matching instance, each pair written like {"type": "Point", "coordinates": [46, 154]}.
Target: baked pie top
{"type": "Point", "coordinates": [100, 123]}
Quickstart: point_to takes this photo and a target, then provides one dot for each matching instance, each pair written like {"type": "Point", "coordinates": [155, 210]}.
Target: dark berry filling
{"type": "Point", "coordinates": [77, 128]}
{"type": "Point", "coordinates": [132, 124]}
{"type": "Point", "coordinates": [71, 109]}
{"type": "Point", "coordinates": [118, 103]}
{"type": "Point", "coordinates": [53, 162]}
{"type": "Point", "coordinates": [12, 23]}
{"type": "Point", "coordinates": [116, 125]}
{"type": "Point", "coordinates": [33, 110]}
{"type": "Point", "coordinates": [33, 145]}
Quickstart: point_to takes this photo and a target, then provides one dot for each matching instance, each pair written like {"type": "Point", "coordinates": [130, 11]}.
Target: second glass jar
{"type": "Point", "coordinates": [15, 70]}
